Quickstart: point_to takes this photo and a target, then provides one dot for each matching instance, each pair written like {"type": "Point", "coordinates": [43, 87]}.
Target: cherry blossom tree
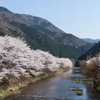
{"type": "Point", "coordinates": [17, 57]}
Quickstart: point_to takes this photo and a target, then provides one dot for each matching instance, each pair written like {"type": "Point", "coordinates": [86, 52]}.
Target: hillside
{"type": "Point", "coordinates": [42, 22]}
{"type": "Point", "coordinates": [91, 52]}
{"type": "Point", "coordinates": [41, 34]}
{"type": "Point", "coordinates": [29, 20]}
{"type": "Point", "coordinates": [65, 38]}
{"type": "Point", "coordinates": [46, 42]}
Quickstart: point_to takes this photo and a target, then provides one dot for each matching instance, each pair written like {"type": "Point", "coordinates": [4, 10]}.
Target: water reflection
{"type": "Point", "coordinates": [57, 88]}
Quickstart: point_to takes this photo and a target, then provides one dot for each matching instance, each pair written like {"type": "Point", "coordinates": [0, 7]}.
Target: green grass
{"type": "Point", "coordinates": [87, 80]}
{"type": "Point", "coordinates": [0, 97]}
{"type": "Point", "coordinates": [77, 91]}
{"type": "Point", "coordinates": [98, 87]}
{"type": "Point", "coordinates": [83, 80]}
{"type": "Point", "coordinates": [58, 73]}
{"type": "Point", "coordinates": [8, 93]}
{"type": "Point", "coordinates": [77, 81]}
{"type": "Point", "coordinates": [65, 69]}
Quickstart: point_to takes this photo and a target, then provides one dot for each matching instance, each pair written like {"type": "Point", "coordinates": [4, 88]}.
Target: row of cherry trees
{"type": "Point", "coordinates": [16, 56]}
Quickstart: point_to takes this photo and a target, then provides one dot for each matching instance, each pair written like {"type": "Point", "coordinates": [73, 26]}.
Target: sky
{"type": "Point", "coordinates": [78, 17]}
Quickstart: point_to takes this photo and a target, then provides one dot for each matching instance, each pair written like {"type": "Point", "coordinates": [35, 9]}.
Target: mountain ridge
{"type": "Point", "coordinates": [4, 9]}
{"type": "Point", "coordinates": [91, 40]}
{"type": "Point", "coordinates": [43, 22]}
{"type": "Point", "coordinates": [30, 20]}
{"type": "Point", "coordinates": [56, 40]}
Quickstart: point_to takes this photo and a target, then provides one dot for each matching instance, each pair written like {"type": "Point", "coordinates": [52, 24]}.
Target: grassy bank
{"type": "Point", "coordinates": [13, 85]}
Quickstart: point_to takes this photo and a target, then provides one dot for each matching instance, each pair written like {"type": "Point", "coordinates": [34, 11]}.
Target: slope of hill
{"type": "Point", "coordinates": [29, 20]}
{"type": "Point", "coordinates": [46, 42]}
{"type": "Point", "coordinates": [67, 39]}
{"type": "Point", "coordinates": [91, 52]}
{"type": "Point", "coordinates": [42, 22]}
{"type": "Point", "coordinates": [91, 40]}
{"type": "Point", "coordinates": [4, 9]}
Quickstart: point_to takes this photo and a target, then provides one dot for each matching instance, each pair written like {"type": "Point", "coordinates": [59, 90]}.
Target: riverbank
{"type": "Point", "coordinates": [17, 84]}
{"type": "Point", "coordinates": [91, 68]}
{"type": "Point", "coordinates": [91, 80]}
{"type": "Point", "coordinates": [57, 87]}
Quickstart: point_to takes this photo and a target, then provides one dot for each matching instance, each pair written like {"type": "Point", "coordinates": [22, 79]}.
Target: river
{"type": "Point", "coordinates": [57, 88]}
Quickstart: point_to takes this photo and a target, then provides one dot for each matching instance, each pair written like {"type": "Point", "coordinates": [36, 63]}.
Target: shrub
{"type": "Point", "coordinates": [32, 75]}
{"type": "Point", "coordinates": [82, 64]}
{"type": "Point", "coordinates": [92, 70]}
{"type": "Point", "coordinates": [5, 83]}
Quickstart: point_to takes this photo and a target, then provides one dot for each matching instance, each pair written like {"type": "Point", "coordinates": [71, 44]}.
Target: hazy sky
{"type": "Point", "coordinates": [78, 17]}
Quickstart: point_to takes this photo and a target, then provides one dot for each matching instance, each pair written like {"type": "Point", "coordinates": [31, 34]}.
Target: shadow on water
{"type": "Point", "coordinates": [57, 88]}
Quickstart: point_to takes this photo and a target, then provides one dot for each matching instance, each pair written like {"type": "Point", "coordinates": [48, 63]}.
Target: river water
{"type": "Point", "coordinates": [57, 88]}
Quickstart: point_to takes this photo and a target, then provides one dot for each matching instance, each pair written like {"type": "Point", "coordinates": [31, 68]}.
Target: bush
{"type": "Point", "coordinates": [5, 83]}
{"type": "Point", "coordinates": [82, 64]}
{"type": "Point", "coordinates": [32, 75]}
{"type": "Point", "coordinates": [92, 70]}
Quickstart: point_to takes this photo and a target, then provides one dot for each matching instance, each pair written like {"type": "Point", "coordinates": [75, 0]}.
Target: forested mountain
{"type": "Point", "coordinates": [91, 52]}
{"type": "Point", "coordinates": [42, 22]}
{"type": "Point", "coordinates": [41, 34]}
{"type": "Point", "coordinates": [65, 38]}
{"type": "Point", "coordinates": [45, 41]}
